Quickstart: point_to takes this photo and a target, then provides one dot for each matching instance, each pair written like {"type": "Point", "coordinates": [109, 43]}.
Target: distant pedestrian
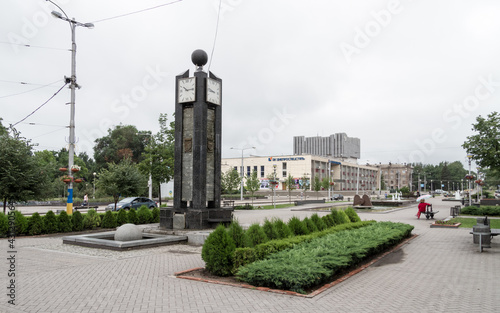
{"type": "Point", "coordinates": [418, 194]}
{"type": "Point", "coordinates": [422, 207]}
{"type": "Point", "coordinates": [85, 200]}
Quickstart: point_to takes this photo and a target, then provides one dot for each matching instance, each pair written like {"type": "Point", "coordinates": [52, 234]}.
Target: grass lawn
{"type": "Point", "coordinates": [278, 206]}
{"type": "Point", "coordinates": [469, 222]}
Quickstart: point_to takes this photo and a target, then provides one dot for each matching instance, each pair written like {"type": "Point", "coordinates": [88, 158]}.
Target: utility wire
{"type": "Point", "coordinates": [30, 46]}
{"type": "Point", "coordinates": [135, 12]}
{"type": "Point", "coordinates": [25, 83]}
{"type": "Point", "coordinates": [20, 93]}
{"type": "Point", "coordinates": [41, 105]}
{"type": "Point", "coordinates": [215, 37]}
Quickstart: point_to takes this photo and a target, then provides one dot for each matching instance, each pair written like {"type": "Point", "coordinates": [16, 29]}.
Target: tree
{"type": "Point", "coordinates": [252, 183]}
{"type": "Point", "coordinates": [316, 186]}
{"type": "Point", "coordinates": [20, 177]}
{"type": "Point", "coordinates": [290, 185]}
{"type": "Point", "coordinates": [122, 179]}
{"type": "Point", "coordinates": [231, 180]}
{"type": "Point", "coordinates": [159, 154]}
{"type": "Point", "coordinates": [485, 145]}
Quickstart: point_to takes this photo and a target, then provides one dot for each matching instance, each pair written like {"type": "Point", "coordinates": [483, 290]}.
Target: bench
{"type": "Point", "coordinates": [429, 213]}
{"type": "Point", "coordinates": [228, 203]}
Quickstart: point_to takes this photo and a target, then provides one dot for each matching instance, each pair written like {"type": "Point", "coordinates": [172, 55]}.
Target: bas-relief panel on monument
{"type": "Point", "coordinates": [210, 154]}
{"type": "Point", "coordinates": [187, 153]}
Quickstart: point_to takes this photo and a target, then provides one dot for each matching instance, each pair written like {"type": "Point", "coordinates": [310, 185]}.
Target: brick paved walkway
{"type": "Point", "coordinates": [439, 271]}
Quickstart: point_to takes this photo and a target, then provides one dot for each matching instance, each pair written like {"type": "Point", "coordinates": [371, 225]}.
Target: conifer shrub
{"type": "Point", "coordinates": [282, 229]}
{"type": "Point", "coordinates": [270, 230]}
{"type": "Point", "coordinates": [344, 216]}
{"type": "Point", "coordinates": [339, 217]}
{"type": "Point", "coordinates": [77, 221]}
{"type": "Point", "coordinates": [109, 220]}
{"type": "Point", "coordinates": [91, 220]}
{"type": "Point", "coordinates": [311, 227]}
{"type": "Point", "coordinates": [255, 235]}
{"type": "Point", "coordinates": [144, 215]}
{"type": "Point", "coordinates": [64, 222]}
{"type": "Point", "coordinates": [217, 252]}
{"type": "Point", "coordinates": [156, 215]}
{"type": "Point", "coordinates": [132, 216]}
{"type": "Point", "coordinates": [21, 223]}
{"type": "Point", "coordinates": [237, 233]}
{"type": "Point", "coordinates": [121, 217]}
{"type": "Point", "coordinates": [4, 225]}
{"type": "Point", "coordinates": [297, 227]}
{"type": "Point", "coordinates": [328, 220]}
{"type": "Point", "coordinates": [50, 223]}
{"type": "Point", "coordinates": [320, 224]}
{"type": "Point", "coordinates": [35, 224]}
{"type": "Point", "coordinates": [353, 216]}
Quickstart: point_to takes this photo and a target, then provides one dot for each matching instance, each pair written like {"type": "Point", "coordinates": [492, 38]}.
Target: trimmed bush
{"type": "Point", "coordinates": [282, 229]}
{"type": "Point", "coordinates": [156, 215]}
{"type": "Point", "coordinates": [270, 230]}
{"type": "Point", "coordinates": [144, 215]}
{"type": "Point", "coordinates": [483, 210]}
{"type": "Point", "coordinates": [132, 216]}
{"type": "Point", "coordinates": [217, 252]}
{"type": "Point", "coordinates": [35, 224]}
{"type": "Point", "coordinates": [121, 218]}
{"type": "Point", "coordinates": [353, 216]}
{"type": "Point", "coordinates": [77, 221]}
{"type": "Point", "coordinates": [328, 220]}
{"type": "Point", "coordinates": [64, 222]}
{"type": "Point", "coordinates": [320, 224]}
{"type": "Point", "coordinates": [255, 235]}
{"type": "Point", "coordinates": [311, 227]}
{"type": "Point", "coordinates": [109, 220]}
{"type": "Point", "coordinates": [339, 217]}
{"type": "Point", "coordinates": [21, 223]}
{"type": "Point", "coordinates": [91, 220]}
{"type": "Point", "coordinates": [4, 225]}
{"type": "Point", "coordinates": [237, 233]}
{"type": "Point", "coordinates": [297, 227]}
{"type": "Point", "coordinates": [50, 223]}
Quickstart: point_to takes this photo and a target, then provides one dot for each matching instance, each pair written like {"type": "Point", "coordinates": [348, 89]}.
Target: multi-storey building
{"type": "Point", "coordinates": [335, 146]}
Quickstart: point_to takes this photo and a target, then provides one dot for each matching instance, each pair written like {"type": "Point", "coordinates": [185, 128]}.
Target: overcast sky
{"type": "Point", "coordinates": [406, 77]}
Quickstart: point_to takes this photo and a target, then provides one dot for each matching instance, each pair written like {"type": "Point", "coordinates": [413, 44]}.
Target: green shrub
{"type": "Point", "coordinates": [297, 227]}
{"type": "Point", "coordinates": [64, 222]}
{"type": "Point", "coordinates": [121, 218]}
{"type": "Point", "coordinates": [77, 221]}
{"type": "Point", "coordinates": [255, 235]}
{"type": "Point", "coordinates": [339, 217]}
{"type": "Point", "coordinates": [311, 227]}
{"type": "Point", "coordinates": [109, 220]}
{"type": "Point", "coordinates": [320, 224]}
{"type": "Point", "coordinates": [132, 216]}
{"type": "Point", "coordinates": [156, 215]}
{"type": "Point", "coordinates": [144, 215]}
{"type": "Point", "coordinates": [21, 223]}
{"type": "Point", "coordinates": [4, 225]}
{"type": "Point", "coordinates": [91, 220]}
{"type": "Point", "coordinates": [328, 220]}
{"type": "Point", "coordinates": [270, 230]}
{"type": "Point", "coordinates": [244, 207]}
{"type": "Point", "coordinates": [50, 223]}
{"type": "Point", "coordinates": [35, 224]}
{"type": "Point", "coordinates": [237, 233]}
{"type": "Point", "coordinates": [217, 252]}
{"type": "Point", "coordinates": [353, 216]}
{"type": "Point", "coordinates": [282, 229]}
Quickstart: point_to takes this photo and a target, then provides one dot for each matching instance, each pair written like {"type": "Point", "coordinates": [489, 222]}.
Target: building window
{"type": "Point", "coordinates": [262, 171]}
{"type": "Point", "coordinates": [236, 168]}
{"type": "Point", "coordinates": [284, 169]}
{"type": "Point", "coordinates": [248, 171]}
{"type": "Point", "coordinates": [255, 168]}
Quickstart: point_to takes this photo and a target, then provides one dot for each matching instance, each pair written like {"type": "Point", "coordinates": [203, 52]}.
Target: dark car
{"type": "Point", "coordinates": [131, 202]}
{"type": "Point", "coordinates": [337, 197]}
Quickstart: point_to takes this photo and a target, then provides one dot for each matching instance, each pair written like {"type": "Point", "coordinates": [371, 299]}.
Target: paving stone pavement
{"type": "Point", "coordinates": [441, 270]}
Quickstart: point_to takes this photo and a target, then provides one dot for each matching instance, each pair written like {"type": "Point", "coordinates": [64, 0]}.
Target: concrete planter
{"type": "Point", "coordinates": [456, 225]}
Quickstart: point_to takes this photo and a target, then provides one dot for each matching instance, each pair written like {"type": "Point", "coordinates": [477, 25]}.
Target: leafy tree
{"type": "Point", "coordinates": [122, 179]}
{"type": "Point", "coordinates": [316, 186]}
{"type": "Point", "coordinates": [485, 145]}
{"type": "Point", "coordinates": [231, 181]}
{"type": "Point", "coordinates": [290, 185]}
{"type": "Point", "coordinates": [159, 154]}
{"type": "Point", "coordinates": [20, 177]}
{"type": "Point", "coordinates": [252, 183]}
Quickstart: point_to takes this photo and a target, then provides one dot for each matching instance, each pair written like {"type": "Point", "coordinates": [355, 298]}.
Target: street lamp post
{"type": "Point", "coordinates": [73, 85]}
{"type": "Point", "coordinates": [242, 169]}
{"type": "Point", "coordinates": [274, 184]}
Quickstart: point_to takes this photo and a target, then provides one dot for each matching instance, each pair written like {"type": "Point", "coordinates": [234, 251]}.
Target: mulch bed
{"type": "Point", "coordinates": [200, 274]}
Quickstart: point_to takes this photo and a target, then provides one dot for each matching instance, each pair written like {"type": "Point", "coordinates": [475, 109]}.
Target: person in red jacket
{"type": "Point", "coordinates": [422, 207]}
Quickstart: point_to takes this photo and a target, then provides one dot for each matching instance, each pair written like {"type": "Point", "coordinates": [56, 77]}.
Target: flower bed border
{"type": "Point", "coordinates": [292, 293]}
{"type": "Point", "coordinates": [456, 225]}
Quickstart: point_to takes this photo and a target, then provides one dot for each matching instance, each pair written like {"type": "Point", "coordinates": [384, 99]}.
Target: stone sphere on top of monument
{"type": "Point", "coordinates": [199, 58]}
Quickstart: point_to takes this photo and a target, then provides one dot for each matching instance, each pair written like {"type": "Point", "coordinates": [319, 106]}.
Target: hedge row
{"type": "Point", "coordinates": [259, 241]}
{"type": "Point", "coordinates": [318, 260]}
{"type": "Point", "coordinates": [482, 210]}
{"type": "Point", "coordinates": [52, 223]}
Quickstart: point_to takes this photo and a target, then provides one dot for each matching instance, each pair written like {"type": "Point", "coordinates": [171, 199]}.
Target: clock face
{"type": "Point", "coordinates": [213, 91]}
{"type": "Point", "coordinates": [186, 90]}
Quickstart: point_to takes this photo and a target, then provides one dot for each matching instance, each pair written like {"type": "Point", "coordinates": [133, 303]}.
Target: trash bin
{"type": "Point", "coordinates": [483, 226]}
{"type": "Point", "coordinates": [455, 211]}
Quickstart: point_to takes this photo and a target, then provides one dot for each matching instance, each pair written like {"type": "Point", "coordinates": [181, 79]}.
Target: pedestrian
{"type": "Point", "coordinates": [85, 200]}
{"type": "Point", "coordinates": [422, 207]}
{"type": "Point", "coordinates": [418, 194]}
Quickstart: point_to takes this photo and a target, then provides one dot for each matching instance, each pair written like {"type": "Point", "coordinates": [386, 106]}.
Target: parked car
{"type": "Point", "coordinates": [131, 202]}
{"type": "Point", "coordinates": [337, 197]}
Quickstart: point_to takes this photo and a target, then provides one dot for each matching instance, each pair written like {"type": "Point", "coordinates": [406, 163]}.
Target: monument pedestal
{"type": "Point", "coordinates": [194, 219]}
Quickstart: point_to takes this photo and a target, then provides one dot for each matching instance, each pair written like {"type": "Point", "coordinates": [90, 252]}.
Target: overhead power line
{"type": "Point", "coordinates": [20, 93]}
{"type": "Point", "coordinates": [135, 12]}
{"type": "Point", "coordinates": [215, 36]}
{"type": "Point", "coordinates": [31, 46]}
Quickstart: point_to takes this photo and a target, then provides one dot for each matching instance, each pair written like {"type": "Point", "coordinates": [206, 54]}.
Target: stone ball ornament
{"type": "Point", "coordinates": [128, 232]}
{"type": "Point", "coordinates": [199, 57]}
